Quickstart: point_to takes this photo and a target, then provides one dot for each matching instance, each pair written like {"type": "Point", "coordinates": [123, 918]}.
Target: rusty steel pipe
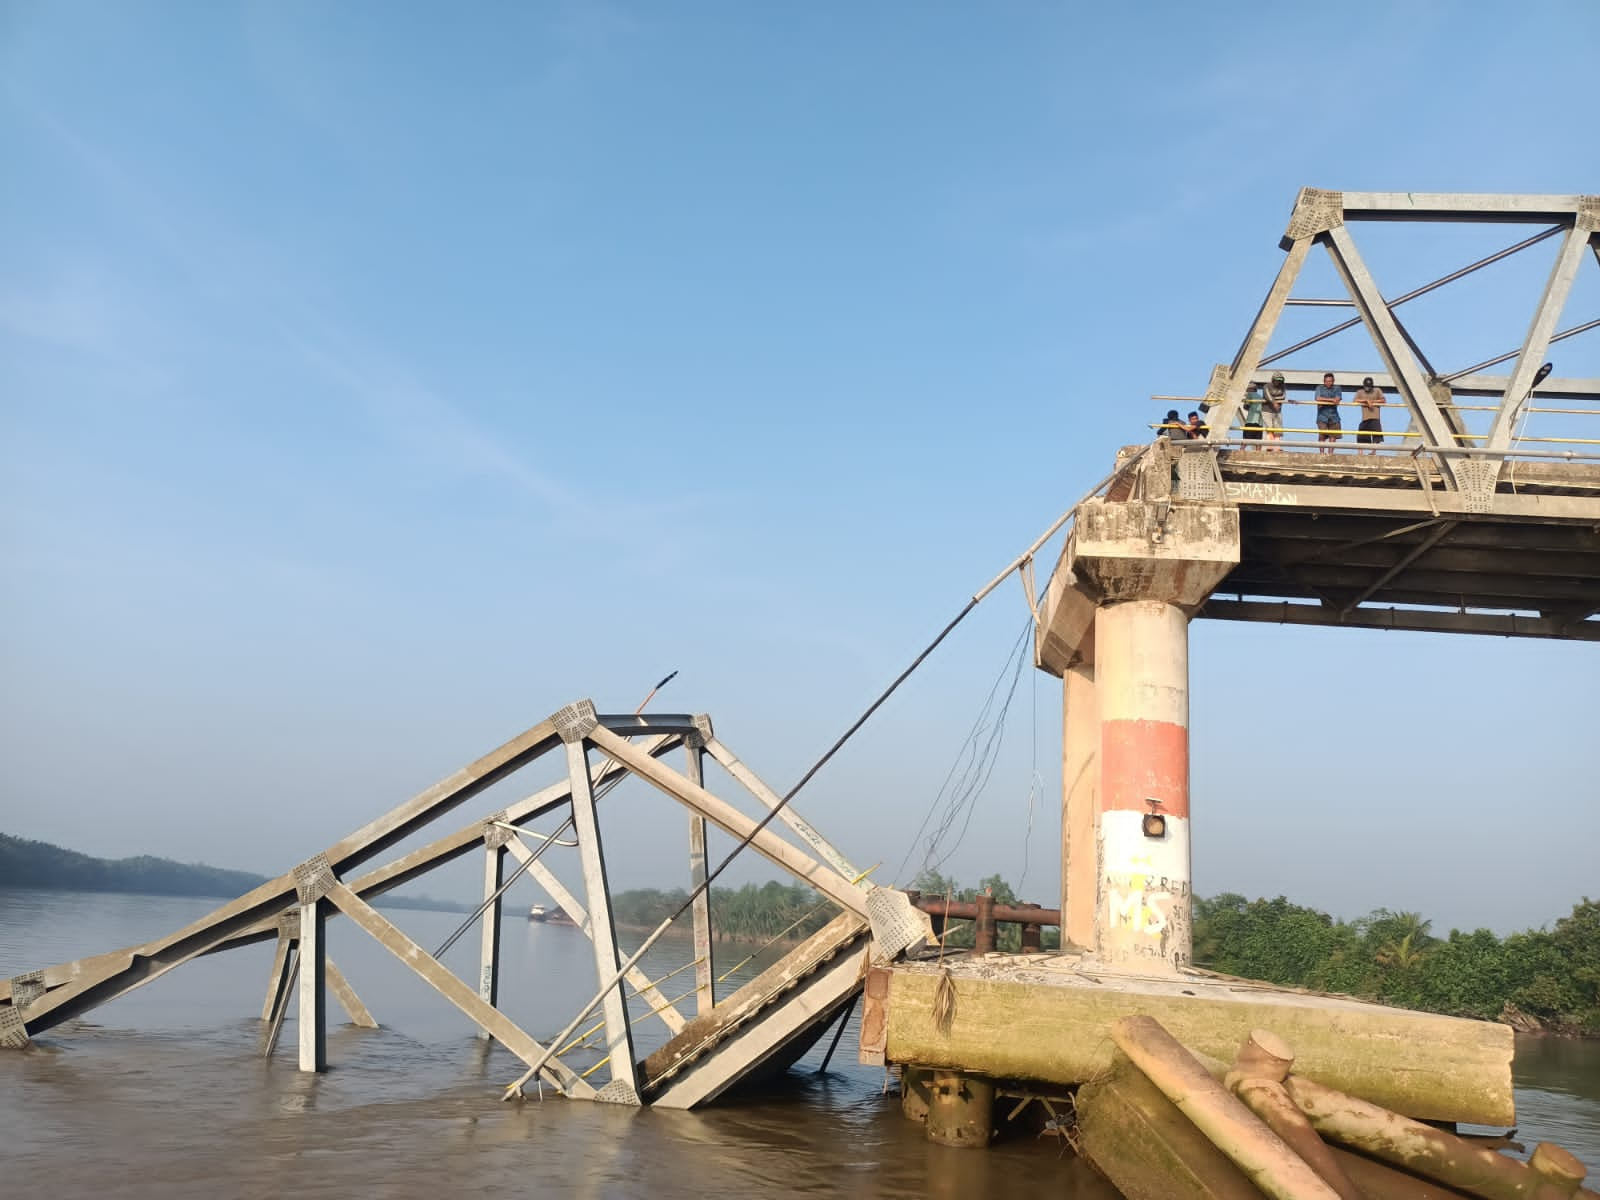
{"type": "Point", "coordinates": [967, 910]}
{"type": "Point", "coordinates": [985, 939]}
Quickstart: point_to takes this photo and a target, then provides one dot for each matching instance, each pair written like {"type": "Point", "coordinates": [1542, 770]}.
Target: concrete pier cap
{"type": "Point", "coordinates": [1131, 550]}
{"type": "Point", "coordinates": [1154, 550]}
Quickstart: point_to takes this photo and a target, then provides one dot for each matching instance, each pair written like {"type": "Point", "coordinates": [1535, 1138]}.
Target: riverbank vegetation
{"type": "Point", "coordinates": [1539, 979]}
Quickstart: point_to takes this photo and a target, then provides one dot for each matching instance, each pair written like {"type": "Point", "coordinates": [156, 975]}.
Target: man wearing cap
{"type": "Point", "coordinates": [1328, 426]}
{"type": "Point", "coordinates": [1272, 409]}
{"type": "Point", "coordinates": [1370, 398]}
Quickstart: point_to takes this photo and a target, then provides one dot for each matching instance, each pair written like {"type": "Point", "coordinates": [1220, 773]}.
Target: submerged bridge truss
{"type": "Point", "coordinates": [762, 1025]}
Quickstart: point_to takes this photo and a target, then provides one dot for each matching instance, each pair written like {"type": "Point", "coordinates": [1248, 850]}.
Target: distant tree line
{"type": "Point", "coordinates": [27, 864]}
{"type": "Point", "coordinates": [754, 912]}
{"type": "Point", "coordinates": [40, 865]}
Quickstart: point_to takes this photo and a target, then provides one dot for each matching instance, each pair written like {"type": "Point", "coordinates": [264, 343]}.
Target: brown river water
{"type": "Point", "coordinates": [163, 1093]}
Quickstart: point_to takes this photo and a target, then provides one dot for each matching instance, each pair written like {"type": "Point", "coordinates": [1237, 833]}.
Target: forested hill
{"type": "Point", "coordinates": [41, 865]}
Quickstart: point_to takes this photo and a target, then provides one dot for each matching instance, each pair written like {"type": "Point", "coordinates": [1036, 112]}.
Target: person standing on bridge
{"type": "Point", "coordinates": [1370, 398]}
{"type": "Point", "coordinates": [1272, 409]}
{"type": "Point", "coordinates": [1328, 426]}
{"type": "Point", "coordinates": [1254, 401]}
{"type": "Point", "coordinates": [1172, 427]}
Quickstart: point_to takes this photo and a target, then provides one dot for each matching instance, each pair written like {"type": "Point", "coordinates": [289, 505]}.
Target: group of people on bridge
{"type": "Point", "coordinates": [1261, 415]}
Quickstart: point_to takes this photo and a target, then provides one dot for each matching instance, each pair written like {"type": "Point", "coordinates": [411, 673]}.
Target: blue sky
{"type": "Point", "coordinates": [376, 379]}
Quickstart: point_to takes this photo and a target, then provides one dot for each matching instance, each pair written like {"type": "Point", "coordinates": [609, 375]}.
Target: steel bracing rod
{"type": "Point", "coordinates": [291, 978]}
{"type": "Point", "coordinates": [1237, 443]}
{"type": "Point", "coordinates": [844, 1020]}
{"type": "Point", "coordinates": [1498, 359]}
{"type": "Point", "coordinates": [281, 957]}
{"type": "Point", "coordinates": [1420, 619]}
{"type": "Point", "coordinates": [500, 891]}
{"type": "Point", "coordinates": [562, 793]}
{"type": "Point", "coordinates": [1248, 358]}
{"type": "Point", "coordinates": [447, 984]}
{"type": "Point", "coordinates": [1566, 455]}
{"type": "Point", "coordinates": [420, 861]}
{"type": "Point", "coordinates": [757, 788]}
{"type": "Point", "coordinates": [1421, 291]}
{"type": "Point", "coordinates": [568, 903]}
{"type": "Point", "coordinates": [1494, 386]}
{"type": "Point", "coordinates": [1572, 618]}
{"type": "Point", "coordinates": [1387, 338]}
{"type": "Point", "coordinates": [1272, 303]}
{"type": "Point", "coordinates": [348, 999]}
{"type": "Point", "coordinates": [1540, 331]}
{"type": "Point", "coordinates": [1412, 342]}
{"type": "Point", "coordinates": [1411, 556]}
{"type": "Point", "coordinates": [736, 824]}
{"type": "Point", "coordinates": [1336, 548]}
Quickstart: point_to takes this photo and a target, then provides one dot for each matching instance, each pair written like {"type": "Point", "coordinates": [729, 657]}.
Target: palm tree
{"type": "Point", "coordinates": [1402, 938]}
{"type": "Point", "coordinates": [1402, 954]}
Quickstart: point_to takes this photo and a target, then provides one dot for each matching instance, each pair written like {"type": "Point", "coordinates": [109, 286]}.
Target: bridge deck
{"type": "Point", "coordinates": [1376, 540]}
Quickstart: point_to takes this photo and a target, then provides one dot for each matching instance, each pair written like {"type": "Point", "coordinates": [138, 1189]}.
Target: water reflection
{"type": "Point", "coordinates": [1569, 1066]}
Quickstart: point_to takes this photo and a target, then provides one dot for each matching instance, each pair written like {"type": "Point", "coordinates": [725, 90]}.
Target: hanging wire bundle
{"type": "Point", "coordinates": [969, 774]}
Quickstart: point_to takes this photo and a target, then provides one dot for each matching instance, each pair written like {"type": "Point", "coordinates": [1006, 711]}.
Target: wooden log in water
{"type": "Point", "coordinates": [1263, 1055]}
{"type": "Point", "coordinates": [1268, 1101]}
{"type": "Point", "coordinates": [1560, 1169]}
{"type": "Point", "coordinates": [1420, 1148]}
{"type": "Point", "coordinates": [1139, 1140]}
{"type": "Point", "coordinates": [1259, 1069]}
{"type": "Point", "coordinates": [1261, 1154]}
{"type": "Point", "coordinates": [1378, 1181]}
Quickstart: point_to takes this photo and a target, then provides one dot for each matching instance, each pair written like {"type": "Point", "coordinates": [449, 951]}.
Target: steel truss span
{"type": "Point", "coordinates": [1466, 519]}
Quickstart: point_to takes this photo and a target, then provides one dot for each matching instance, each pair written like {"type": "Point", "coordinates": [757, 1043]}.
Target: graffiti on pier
{"type": "Point", "coordinates": [1145, 913]}
{"type": "Point", "coordinates": [1241, 492]}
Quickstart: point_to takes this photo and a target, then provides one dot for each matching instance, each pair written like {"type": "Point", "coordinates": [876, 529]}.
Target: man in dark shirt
{"type": "Point", "coordinates": [1328, 398]}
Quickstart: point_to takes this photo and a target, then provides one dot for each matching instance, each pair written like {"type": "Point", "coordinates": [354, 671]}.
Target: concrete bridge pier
{"type": "Point", "coordinates": [1115, 626]}
{"type": "Point", "coordinates": [1142, 897]}
{"type": "Point", "coordinates": [1080, 804]}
